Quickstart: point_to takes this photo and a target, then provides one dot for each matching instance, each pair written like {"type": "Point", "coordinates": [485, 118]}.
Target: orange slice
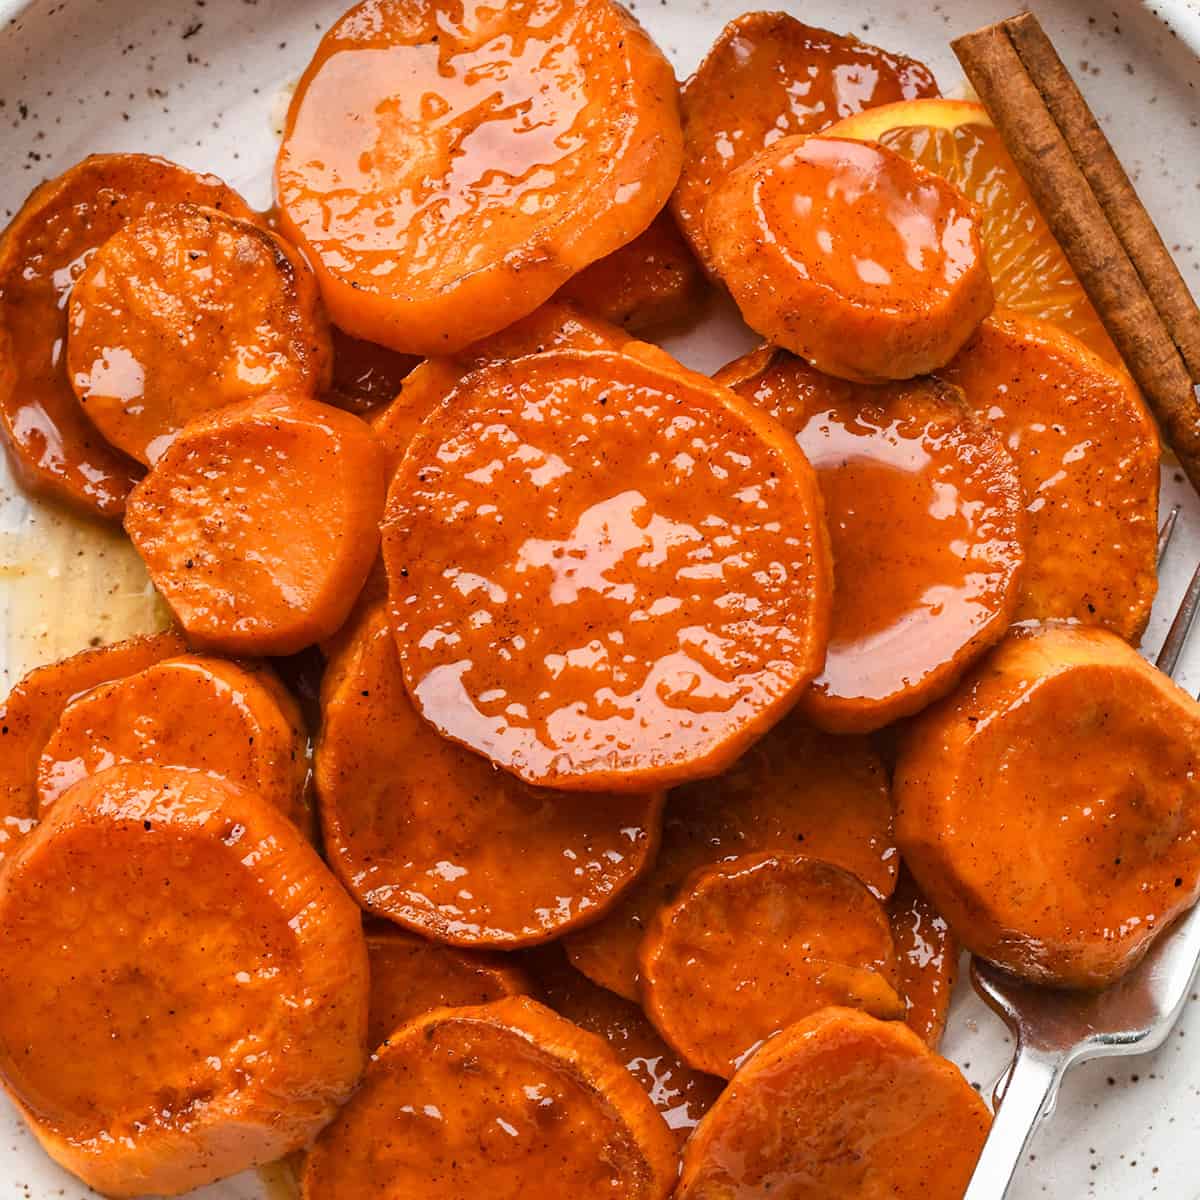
{"type": "Point", "coordinates": [956, 139]}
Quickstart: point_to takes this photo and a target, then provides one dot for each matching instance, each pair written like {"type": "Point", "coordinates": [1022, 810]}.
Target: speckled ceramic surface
{"type": "Point", "coordinates": [205, 82]}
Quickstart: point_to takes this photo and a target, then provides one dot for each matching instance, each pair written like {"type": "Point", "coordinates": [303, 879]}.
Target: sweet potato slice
{"type": "Point", "coordinates": [757, 943]}
{"type": "Point", "coordinates": [447, 168]}
{"type": "Point", "coordinates": [926, 516]}
{"type": "Point", "coordinates": [32, 710]}
{"type": "Point", "coordinates": [769, 76]}
{"type": "Point", "coordinates": [206, 714]}
{"type": "Point", "coordinates": [260, 523]}
{"type": "Point", "coordinates": [839, 1105]}
{"type": "Point", "coordinates": [864, 263]}
{"type": "Point", "coordinates": [193, 929]}
{"type": "Point", "coordinates": [365, 376]}
{"type": "Point", "coordinates": [411, 976]}
{"type": "Point", "coordinates": [55, 448]}
{"type": "Point", "coordinates": [1088, 455]}
{"type": "Point", "coordinates": [605, 574]}
{"type": "Point", "coordinates": [430, 836]}
{"type": "Point", "coordinates": [1050, 807]}
{"type": "Point", "coordinates": [185, 310]}
{"type": "Point", "coordinates": [504, 1100]}
{"type": "Point", "coordinates": [927, 954]}
{"type": "Point", "coordinates": [796, 789]}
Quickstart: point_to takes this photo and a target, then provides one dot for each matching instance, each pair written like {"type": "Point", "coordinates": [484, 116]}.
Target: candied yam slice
{"type": "Point", "coordinates": [856, 259]}
{"type": "Point", "coordinates": [796, 789]}
{"type": "Point", "coordinates": [32, 709]}
{"type": "Point", "coordinates": [411, 976]}
{"type": "Point", "coordinates": [44, 250]}
{"type": "Point", "coordinates": [447, 167]}
{"type": "Point", "coordinates": [769, 76]}
{"type": "Point", "coordinates": [1050, 807]}
{"type": "Point", "coordinates": [495, 1100]}
{"type": "Point", "coordinates": [193, 927]}
{"type": "Point", "coordinates": [259, 524]}
{"type": "Point", "coordinates": [185, 310]}
{"type": "Point", "coordinates": [1088, 455]}
{"type": "Point", "coordinates": [431, 836]}
{"type": "Point", "coordinates": [839, 1105]}
{"type": "Point", "coordinates": [206, 714]}
{"type": "Point", "coordinates": [926, 517]}
{"type": "Point", "coordinates": [927, 955]}
{"type": "Point", "coordinates": [605, 574]}
{"type": "Point", "coordinates": [757, 943]}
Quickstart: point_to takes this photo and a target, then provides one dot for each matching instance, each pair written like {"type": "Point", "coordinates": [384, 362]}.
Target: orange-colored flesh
{"type": "Point", "coordinates": [795, 790]}
{"type": "Point", "coordinates": [681, 1094]}
{"type": "Point", "coordinates": [504, 1100]}
{"type": "Point", "coordinates": [448, 167]}
{"type": "Point", "coordinates": [755, 944]}
{"type": "Point", "coordinates": [1050, 808]}
{"type": "Point", "coordinates": [431, 836]}
{"type": "Point", "coordinates": [839, 1105]}
{"type": "Point", "coordinates": [411, 976]}
{"type": "Point", "coordinates": [769, 76]}
{"type": "Point", "coordinates": [260, 523]}
{"type": "Point", "coordinates": [653, 285]}
{"type": "Point", "coordinates": [44, 250]}
{"type": "Point", "coordinates": [205, 714]}
{"type": "Point", "coordinates": [184, 311]}
{"type": "Point", "coordinates": [866, 265]}
{"type": "Point", "coordinates": [366, 377]}
{"type": "Point", "coordinates": [183, 986]}
{"type": "Point", "coordinates": [1088, 455]}
{"type": "Point", "coordinates": [605, 574]}
{"type": "Point", "coordinates": [31, 711]}
{"type": "Point", "coordinates": [926, 517]}
{"type": "Point", "coordinates": [927, 957]}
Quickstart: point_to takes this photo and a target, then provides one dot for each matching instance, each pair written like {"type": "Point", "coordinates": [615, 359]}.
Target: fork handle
{"type": "Point", "coordinates": [1028, 1097]}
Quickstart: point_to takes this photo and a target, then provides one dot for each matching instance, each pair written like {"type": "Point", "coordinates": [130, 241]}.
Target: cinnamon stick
{"type": "Point", "coordinates": [1045, 154]}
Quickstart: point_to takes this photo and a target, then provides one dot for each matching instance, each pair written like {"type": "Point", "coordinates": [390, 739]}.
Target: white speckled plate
{"type": "Point", "coordinates": [201, 81]}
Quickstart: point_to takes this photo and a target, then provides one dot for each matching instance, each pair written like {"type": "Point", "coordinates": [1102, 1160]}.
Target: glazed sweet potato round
{"type": "Point", "coordinates": [448, 167]}
{"type": "Point", "coordinates": [605, 574]}
{"type": "Point", "coordinates": [1065, 740]}
{"type": "Point", "coordinates": [192, 1000]}
{"type": "Point", "coordinates": [42, 253]}
{"type": "Point", "coordinates": [839, 1105]}
{"type": "Point", "coordinates": [863, 263]}
{"type": "Point", "coordinates": [506, 1099]}
{"type": "Point", "coordinates": [431, 836]}
{"type": "Point", "coordinates": [927, 520]}
{"type": "Point", "coordinates": [927, 959]}
{"type": "Point", "coordinates": [186, 310]}
{"type": "Point", "coordinates": [260, 523]}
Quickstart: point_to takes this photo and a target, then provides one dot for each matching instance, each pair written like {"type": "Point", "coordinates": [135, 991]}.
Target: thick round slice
{"type": "Point", "coordinates": [504, 1100]}
{"type": "Point", "coordinates": [183, 985]}
{"type": "Point", "coordinates": [260, 523]}
{"type": "Point", "coordinates": [926, 515]}
{"type": "Point", "coordinates": [605, 574]}
{"type": "Point", "coordinates": [768, 76]}
{"type": "Point", "coordinates": [32, 710]}
{"type": "Point", "coordinates": [204, 714]}
{"type": "Point", "coordinates": [365, 376]}
{"type": "Point", "coordinates": [411, 976]}
{"type": "Point", "coordinates": [448, 167]}
{"type": "Point", "coordinates": [796, 789]}
{"type": "Point", "coordinates": [682, 1095]}
{"type": "Point", "coordinates": [43, 251]}
{"type": "Point", "coordinates": [866, 265]}
{"type": "Point", "coordinates": [927, 954]}
{"type": "Point", "coordinates": [1088, 454]}
{"type": "Point", "coordinates": [756, 944]}
{"type": "Point", "coordinates": [1050, 808]}
{"type": "Point", "coordinates": [840, 1105]}
{"type": "Point", "coordinates": [186, 310]}
{"type": "Point", "coordinates": [431, 836]}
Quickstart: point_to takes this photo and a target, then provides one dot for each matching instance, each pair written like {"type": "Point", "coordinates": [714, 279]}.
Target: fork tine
{"type": "Point", "coordinates": [1172, 647]}
{"type": "Point", "coordinates": [1166, 533]}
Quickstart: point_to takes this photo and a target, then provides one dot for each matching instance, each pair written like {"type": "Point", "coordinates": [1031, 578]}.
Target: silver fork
{"type": "Point", "coordinates": [1056, 1029]}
